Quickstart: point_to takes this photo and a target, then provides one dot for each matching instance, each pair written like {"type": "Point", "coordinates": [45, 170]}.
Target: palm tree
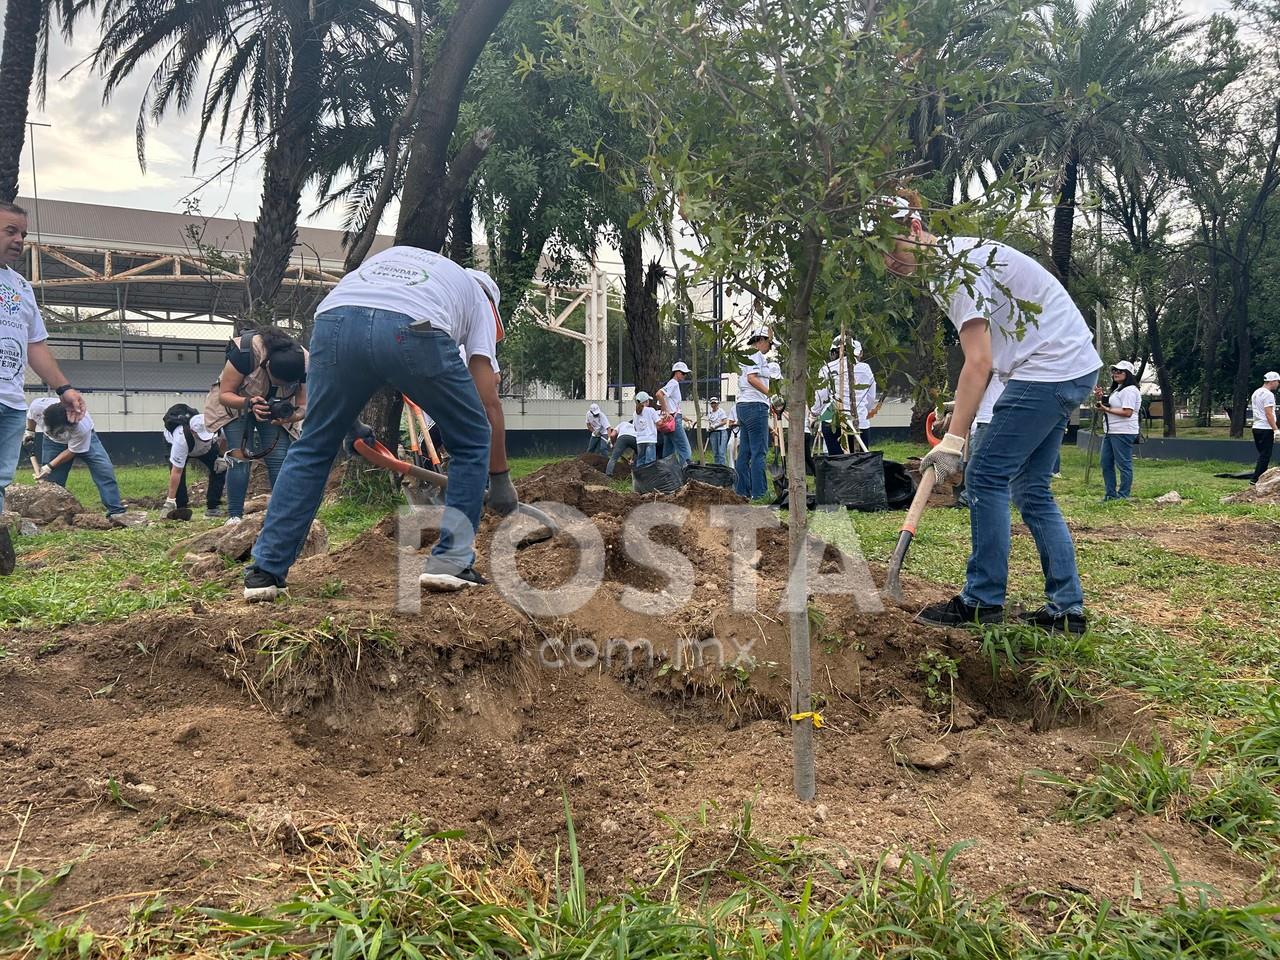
{"type": "Point", "coordinates": [1093, 77]}
{"type": "Point", "coordinates": [269, 63]}
{"type": "Point", "coordinates": [27, 25]}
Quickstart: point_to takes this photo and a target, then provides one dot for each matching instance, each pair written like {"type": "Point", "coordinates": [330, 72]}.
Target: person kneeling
{"type": "Point", "coordinates": [65, 441]}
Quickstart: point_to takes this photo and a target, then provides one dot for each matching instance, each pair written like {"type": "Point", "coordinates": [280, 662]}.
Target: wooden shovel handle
{"type": "Point", "coordinates": [920, 501]}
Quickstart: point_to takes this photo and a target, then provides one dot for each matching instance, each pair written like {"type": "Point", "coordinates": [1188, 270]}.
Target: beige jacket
{"type": "Point", "coordinates": [257, 383]}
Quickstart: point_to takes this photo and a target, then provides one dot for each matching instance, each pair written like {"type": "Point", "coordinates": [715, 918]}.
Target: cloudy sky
{"type": "Point", "coordinates": [88, 152]}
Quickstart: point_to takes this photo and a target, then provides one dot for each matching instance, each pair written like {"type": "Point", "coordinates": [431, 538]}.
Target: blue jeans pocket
{"type": "Point", "coordinates": [323, 347]}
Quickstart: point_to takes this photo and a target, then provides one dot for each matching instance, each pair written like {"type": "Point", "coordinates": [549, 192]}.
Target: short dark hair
{"type": "Point", "coordinates": [287, 362]}
{"type": "Point", "coordinates": [8, 207]}
{"type": "Point", "coordinates": [55, 418]}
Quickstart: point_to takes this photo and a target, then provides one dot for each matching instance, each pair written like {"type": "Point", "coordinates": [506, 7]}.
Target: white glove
{"type": "Point", "coordinates": [44, 472]}
{"type": "Point", "coordinates": [169, 505]}
{"type": "Point", "coordinates": [946, 459]}
{"type": "Point", "coordinates": [28, 437]}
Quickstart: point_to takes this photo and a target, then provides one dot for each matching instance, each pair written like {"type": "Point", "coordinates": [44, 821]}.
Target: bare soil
{"type": "Point", "coordinates": [200, 752]}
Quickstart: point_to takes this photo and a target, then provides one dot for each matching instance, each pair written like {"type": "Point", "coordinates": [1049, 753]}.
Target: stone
{"type": "Point", "coordinates": [201, 566]}
{"type": "Point", "coordinates": [1169, 498]}
{"type": "Point", "coordinates": [926, 755]}
{"type": "Point", "coordinates": [257, 504]}
{"type": "Point", "coordinates": [43, 502]}
{"type": "Point", "coordinates": [1268, 483]}
{"type": "Point", "coordinates": [186, 733]}
{"type": "Point", "coordinates": [18, 524]}
{"type": "Point", "coordinates": [235, 542]}
{"type": "Point", "coordinates": [91, 521]}
{"type": "Point", "coordinates": [131, 519]}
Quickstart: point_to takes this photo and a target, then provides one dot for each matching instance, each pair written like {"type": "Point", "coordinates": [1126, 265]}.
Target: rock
{"type": "Point", "coordinates": [131, 519]}
{"type": "Point", "coordinates": [925, 755]}
{"type": "Point", "coordinates": [1267, 485]}
{"type": "Point", "coordinates": [609, 825]}
{"type": "Point", "coordinates": [43, 502]}
{"type": "Point", "coordinates": [91, 521]}
{"type": "Point", "coordinates": [1171, 497]}
{"type": "Point", "coordinates": [236, 541]}
{"type": "Point", "coordinates": [186, 733]}
{"type": "Point", "coordinates": [201, 566]}
{"type": "Point", "coordinates": [18, 524]}
{"type": "Point", "coordinates": [964, 716]}
{"type": "Point", "coordinates": [257, 504]}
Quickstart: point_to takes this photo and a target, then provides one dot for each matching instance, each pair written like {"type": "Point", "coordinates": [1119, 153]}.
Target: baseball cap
{"type": "Point", "coordinates": [1271, 375]}
{"type": "Point", "coordinates": [758, 333]}
{"type": "Point", "coordinates": [594, 409]}
{"type": "Point", "coordinates": [715, 399]}
{"type": "Point", "coordinates": [894, 207]}
{"type": "Point", "coordinates": [679, 367]}
{"type": "Point", "coordinates": [856, 347]}
{"type": "Point", "coordinates": [643, 397]}
{"type": "Point", "coordinates": [1124, 365]}
{"type": "Point", "coordinates": [487, 283]}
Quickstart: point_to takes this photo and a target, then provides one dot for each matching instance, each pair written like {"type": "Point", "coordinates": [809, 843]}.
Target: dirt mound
{"type": "Point", "coordinates": [1266, 490]}
{"type": "Point", "coordinates": [621, 469]}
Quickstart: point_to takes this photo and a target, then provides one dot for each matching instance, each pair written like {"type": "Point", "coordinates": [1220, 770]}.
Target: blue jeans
{"type": "Point", "coordinates": [13, 424]}
{"type": "Point", "coordinates": [100, 468]}
{"type": "Point", "coordinates": [646, 453]}
{"type": "Point", "coordinates": [238, 476]}
{"type": "Point", "coordinates": [622, 446]}
{"type": "Point", "coordinates": [1117, 456]}
{"type": "Point", "coordinates": [719, 443]}
{"type": "Point", "coordinates": [677, 442]}
{"type": "Point", "coordinates": [1016, 457]}
{"type": "Point", "coordinates": [598, 445]}
{"type": "Point", "coordinates": [975, 441]}
{"type": "Point", "coordinates": [753, 443]}
{"type": "Point", "coordinates": [354, 352]}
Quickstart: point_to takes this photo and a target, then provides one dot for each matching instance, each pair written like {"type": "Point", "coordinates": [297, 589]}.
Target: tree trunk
{"type": "Point", "coordinates": [286, 169]}
{"type": "Point", "coordinates": [461, 242]}
{"type": "Point", "coordinates": [1064, 218]}
{"type": "Point", "coordinates": [1244, 346]}
{"type": "Point", "coordinates": [1210, 324]}
{"type": "Point", "coordinates": [640, 307]}
{"type": "Point", "coordinates": [432, 185]}
{"type": "Point", "coordinates": [924, 364]}
{"type": "Point", "coordinates": [1156, 346]}
{"type": "Point", "coordinates": [17, 66]}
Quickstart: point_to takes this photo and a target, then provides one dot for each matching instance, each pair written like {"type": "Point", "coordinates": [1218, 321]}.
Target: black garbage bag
{"type": "Point", "coordinates": [854, 480]}
{"type": "Point", "coordinates": [661, 476]}
{"type": "Point", "coordinates": [899, 486]}
{"type": "Point", "coordinates": [713, 474]}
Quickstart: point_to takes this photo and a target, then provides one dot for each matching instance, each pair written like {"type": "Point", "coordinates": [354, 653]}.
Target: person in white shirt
{"type": "Point", "coordinates": [671, 402]}
{"type": "Point", "coordinates": [864, 383]}
{"type": "Point", "coordinates": [752, 412]}
{"type": "Point", "coordinates": [598, 428]}
{"type": "Point", "coordinates": [63, 442]}
{"type": "Point", "coordinates": [189, 439]}
{"type": "Point", "coordinates": [1122, 406]}
{"type": "Point", "coordinates": [718, 426]}
{"type": "Point", "coordinates": [1263, 405]}
{"type": "Point", "coordinates": [399, 319]}
{"type": "Point", "coordinates": [645, 424]}
{"type": "Point", "coordinates": [22, 342]}
{"type": "Point", "coordinates": [624, 440]}
{"type": "Point", "coordinates": [1049, 366]}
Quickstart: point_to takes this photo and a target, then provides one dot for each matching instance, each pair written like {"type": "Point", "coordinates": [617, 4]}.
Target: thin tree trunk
{"type": "Point", "coordinates": [1064, 219]}
{"type": "Point", "coordinates": [17, 66]}
{"type": "Point", "coordinates": [1210, 324]}
{"type": "Point", "coordinates": [1156, 346]}
{"type": "Point", "coordinates": [461, 241]}
{"type": "Point", "coordinates": [923, 361]}
{"type": "Point", "coordinates": [640, 307]}
{"type": "Point", "coordinates": [1244, 347]}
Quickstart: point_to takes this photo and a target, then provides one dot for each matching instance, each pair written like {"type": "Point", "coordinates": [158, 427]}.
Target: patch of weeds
{"type": "Point", "coordinates": [288, 648]}
{"type": "Point", "coordinates": [1240, 806]}
{"type": "Point", "coordinates": [333, 588]}
{"type": "Point", "coordinates": [1144, 781]}
{"type": "Point", "coordinates": [940, 673]}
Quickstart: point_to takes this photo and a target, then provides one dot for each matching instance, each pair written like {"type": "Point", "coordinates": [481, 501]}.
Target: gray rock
{"type": "Point", "coordinates": [926, 755]}
{"type": "Point", "coordinates": [131, 519]}
{"type": "Point", "coordinates": [18, 524]}
{"type": "Point", "coordinates": [1268, 483]}
{"type": "Point", "coordinates": [43, 502]}
{"type": "Point", "coordinates": [235, 542]}
{"type": "Point", "coordinates": [91, 521]}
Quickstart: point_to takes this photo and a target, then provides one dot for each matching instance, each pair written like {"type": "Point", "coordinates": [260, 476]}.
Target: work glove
{"type": "Point", "coordinates": [946, 459]}
{"type": "Point", "coordinates": [28, 437]}
{"type": "Point", "coordinates": [169, 506]}
{"type": "Point", "coordinates": [44, 472]}
{"type": "Point", "coordinates": [503, 498]}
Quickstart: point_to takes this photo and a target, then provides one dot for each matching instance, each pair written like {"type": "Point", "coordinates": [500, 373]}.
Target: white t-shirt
{"type": "Point", "coordinates": [1056, 344]}
{"type": "Point", "coordinates": [76, 437]}
{"type": "Point", "coordinates": [831, 379]}
{"type": "Point", "coordinates": [987, 405]}
{"type": "Point", "coordinates": [865, 384]}
{"type": "Point", "coordinates": [598, 422]}
{"type": "Point", "coordinates": [672, 398]}
{"type": "Point", "coordinates": [20, 325]}
{"type": "Point", "coordinates": [429, 288]}
{"type": "Point", "coordinates": [1262, 398]}
{"type": "Point", "coordinates": [646, 425]}
{"type": "Point", "coordinates": [178, 452]}
{"type": "Point", "coordinates": [1129, 397]}
{"type": "Point", "coordinates": [625, 429]}
{"type": "Point", "coordinates": [717, 420]}
{"type": "Point", "coordinates": [760, 366]}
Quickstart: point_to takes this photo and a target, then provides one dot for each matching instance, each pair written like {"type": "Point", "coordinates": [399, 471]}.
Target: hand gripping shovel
{"type": "Point", "coordinates": [892, 584]}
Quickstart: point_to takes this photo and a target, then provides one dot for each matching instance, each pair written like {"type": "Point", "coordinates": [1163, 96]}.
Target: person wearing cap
{"type": "Point", "coordinates": [623, 439]}
{"type": "Point", "coordinates": [598, 428]}
{"type": "Point", "coordinates": [1263, 405]}
{"type": "Point", "coordinates": [752, 412]}
{"type": "Point", "coordinates": [399, 319]}
{"type": "Point", "coordinates": [670, 402]}
{"type": "Point", "coordinates": [837, 380]}
{"type": "Point", "coordinates": [865, 393]}
{"type": "Point", "coordinates": [718, 425]}
{"type": "Point", "coordinates": [1121, 406]}
{"type": "Point", "coordinates": [1048, 365]}
{"type": "Point", "coordinates": [645, 423]}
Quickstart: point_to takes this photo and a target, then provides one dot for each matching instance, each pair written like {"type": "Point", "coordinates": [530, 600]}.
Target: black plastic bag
{"type": "Point", "coordinates": [661, 476]}
{"type": "Point", "coordinates": [899, 486]}
{"type": "Point", "coordinates": [854, 480]}
{"type": "Point", "coordinates": [711, 473]}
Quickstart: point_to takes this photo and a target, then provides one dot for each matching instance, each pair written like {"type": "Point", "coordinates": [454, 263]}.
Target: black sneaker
{"type": "Point", "coordinates": [8, 556]}
{"type": "Point", "coordinates": [1073, 623]}
{"type": "Point", "coordinates": [440, 581]}
{"type": "Point", "coordinates": [956, 613]}
{"type": "Point", "coordinates": [260, 585]}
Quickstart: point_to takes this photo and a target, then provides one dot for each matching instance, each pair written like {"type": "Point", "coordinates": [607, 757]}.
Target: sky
{"type": "Point", "coordinates": [88, 152]}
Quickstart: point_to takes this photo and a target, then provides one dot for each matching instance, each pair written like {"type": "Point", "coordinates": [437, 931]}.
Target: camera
{"type": "Point", "coordinates": [280, 409]}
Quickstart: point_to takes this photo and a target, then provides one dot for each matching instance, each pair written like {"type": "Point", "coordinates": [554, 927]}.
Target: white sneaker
{"type": "Point", "coordinates": [233, 521]}
{"type": "Point", "coordinates": [439, 581]}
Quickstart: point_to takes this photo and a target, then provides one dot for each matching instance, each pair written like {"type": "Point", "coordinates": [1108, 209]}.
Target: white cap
{"type": "Point", "coordinates": [594, 409]}
{"type": "Point", "coordinates": [715, 400]}
{"type": "Point", "coordinates": [856, 347]}
{"type": "Point", "coordinates": [1124, 365]}
{"type": "Point", "coordinates": [1270, 375]}
{"type": "Point", "coordinates": [487, 282]}
{"type": "Point", "coordinates": [758, 333]}
{"type": "Point", "coordinates": [643, 397]}
{"type": "Point", "coordinates": [896, 208]}
{"type": "Point", "coordinates": [679, 367]}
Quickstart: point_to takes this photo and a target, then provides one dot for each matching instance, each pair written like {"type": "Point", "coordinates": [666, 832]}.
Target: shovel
{"type": "Point", "coordinates": [892, 583]}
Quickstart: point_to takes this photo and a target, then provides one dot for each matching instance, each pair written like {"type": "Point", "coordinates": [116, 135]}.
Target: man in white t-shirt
{"type": "Point", "coordinates": [752, 413]}
{"type": "Point", "coordinates": [22, 343]}
{"type": "Point", "coordinates": [398, 319]}
{"type": "Point", "coordinates": [1122, 406]}
{"type": "Point", "coordinates": [1263, 406]}
{"type": "Point", "coordinates": [671, 402]}
{"type": "Point", "coordinates": [978, 429]}
{"type": "Point", "coordinates": [189, 439]}
{"type": "Point", "coordinates": [864, 383]}
{"type": "Point", "coordinates": [718, 425]}
{"type": "Point", "coordinates": [624, 440]}
{"type": "Point", "coordinates": [63, 442]}
{"type": "Point", "coordinates": [1048, 365]}
{"type": "Point", "coordinates": [598, 428]}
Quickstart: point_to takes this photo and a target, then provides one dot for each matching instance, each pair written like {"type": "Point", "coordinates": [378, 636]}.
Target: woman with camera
{"type": "Point", "coordinates": [1121, 405]}
{"type": "Point", "coordinates": [258, 404]}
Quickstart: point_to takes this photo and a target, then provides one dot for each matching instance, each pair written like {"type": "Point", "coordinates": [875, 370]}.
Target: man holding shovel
{"type": "Point", "coordinates": [1048, 372]}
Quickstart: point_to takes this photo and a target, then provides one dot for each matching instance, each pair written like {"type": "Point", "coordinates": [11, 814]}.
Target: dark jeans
{"type": "Point", "coordinates": [1264, 441]}
{"type": "Point", "coordinates": [213, 495]}
{"type": "Point", "coordinates": [238, 476]}
{"type": "Point", "coordinates": [1117, 457]}
{"type": "Point", "coordinates": [100, 468]}
{"type": "Point", "coordinates": [718, 442]}
{"type": "Point", "coordinates": [598, 445]}
{"type": "Point", "coordinates": [753, 444]}
{"type": "Point", "coordinates": [354, 352]}
{"type": "Point", "coordinates": [622, 445]}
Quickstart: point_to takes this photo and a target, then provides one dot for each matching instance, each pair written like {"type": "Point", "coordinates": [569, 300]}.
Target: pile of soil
{"type": "Point", "coordinates": [225, 741]}
{"type": "Point", "coordinates": [621, 469]}
{"type": "Point", "coordinates": [1266, 490]}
